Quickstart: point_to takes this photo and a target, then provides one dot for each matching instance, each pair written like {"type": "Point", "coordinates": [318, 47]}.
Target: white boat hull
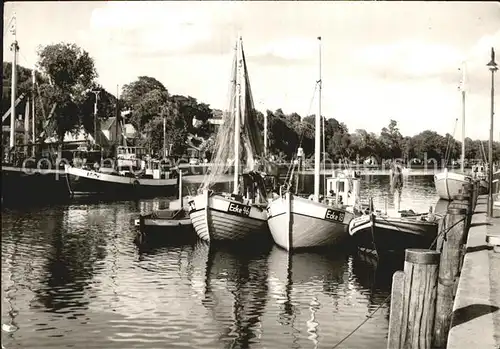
{"type": "Point", "coordinates": [297, 222]}
{"type": "Point", "coordinates": [450, 184]}
{"type": "Point", "coordinates": [217, 218]}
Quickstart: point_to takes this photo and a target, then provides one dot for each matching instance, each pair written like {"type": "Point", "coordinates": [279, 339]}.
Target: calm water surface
{"type": "Point", "coordinates": [72, 277]}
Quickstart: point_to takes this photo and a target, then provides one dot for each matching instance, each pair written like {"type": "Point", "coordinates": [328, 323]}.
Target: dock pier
{"type": "Point", "coordinates": [449, 297]}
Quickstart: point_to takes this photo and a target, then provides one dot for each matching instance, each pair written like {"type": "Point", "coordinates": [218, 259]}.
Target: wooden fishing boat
{"type": "Point", "coordinates": [241, 214]}
{"type": "Point", "coordinates": [384, 234]}
{"type": "Point", "coordinates": [164, 219]}
{"type": "Point", "coordinates": [27, 176]}
{"type": "Point", "coordinates": [448, 184]}
{"type": "Point", "coordinates": [167, 220]}
{"type": "Point", "coordinates": [297, 222]}
{"type": "Point", "coordinates": [127, 179]}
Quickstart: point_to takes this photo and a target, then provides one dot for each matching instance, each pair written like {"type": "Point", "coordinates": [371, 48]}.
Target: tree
{"type": "Point", "coordinates": [70, 72]}
{"type": "Point", "coordinates": [139, 95]}
{"type": "Point", "coordinates": [391, 141]}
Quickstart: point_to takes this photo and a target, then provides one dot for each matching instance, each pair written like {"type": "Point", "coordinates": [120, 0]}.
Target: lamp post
{"type": "Point", "coordinates": [492, 66]}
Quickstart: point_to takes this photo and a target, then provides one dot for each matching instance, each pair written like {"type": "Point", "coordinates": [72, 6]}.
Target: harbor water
{"type": "Point", "coordinates": [72, 276]}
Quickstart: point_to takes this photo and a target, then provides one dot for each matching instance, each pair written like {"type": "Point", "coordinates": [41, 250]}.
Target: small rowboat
{"type": "Point", "coordinates": [164, 218]}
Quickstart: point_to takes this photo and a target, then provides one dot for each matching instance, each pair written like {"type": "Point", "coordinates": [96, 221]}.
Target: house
{"type": "Point", "coordinates": [112, 130]}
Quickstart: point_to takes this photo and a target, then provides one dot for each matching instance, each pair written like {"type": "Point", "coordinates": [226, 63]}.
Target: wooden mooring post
{"type": "Point", "coordinates": [413, 301]}
{"type": "Point", "coordinates": [449, 271]}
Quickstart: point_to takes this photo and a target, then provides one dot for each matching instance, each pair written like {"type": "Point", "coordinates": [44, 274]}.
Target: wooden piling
{"type": "Point", "coordinates": [413, 301]}
{"type": "Point", "coordinates": [449, 272]}
{"type": "Point", "coordinates": [396, 311]}
{"type": "Point", "coordinates": [465, 201]}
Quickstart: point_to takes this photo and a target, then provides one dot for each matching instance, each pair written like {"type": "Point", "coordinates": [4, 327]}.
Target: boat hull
{"type": "Point", "coordinates": [217, 218]}
{"type": "Point", "coordinates": [297, 223]}
{"type": "Point", "coordinates": [24, 186]}
{"type": "Point", "coordinates": [88, 182]}
{"type": "Point", "coordinates": [392, 235]}
{"type": "Point", "coordinates": [449, 185]}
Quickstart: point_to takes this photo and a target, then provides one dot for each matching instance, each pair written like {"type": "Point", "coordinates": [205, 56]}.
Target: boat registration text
{"type": "Point", "coordinates": [93, 175]}
{"type": "Point", "coordinates": [336, 216]}
{"type": "Point", "coordinates": [238, 209]}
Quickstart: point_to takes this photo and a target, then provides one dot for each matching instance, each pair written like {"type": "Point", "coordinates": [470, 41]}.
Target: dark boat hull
{"type": "Point", "coordinates": [26, 186]}
{"type": "Point", "coordinates": [109, 185]}
{"type": "Point", "coordinates": [392, 235]}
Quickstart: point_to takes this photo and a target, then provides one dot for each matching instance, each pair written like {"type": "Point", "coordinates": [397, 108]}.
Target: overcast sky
{"type": "Point", "coordinates": [381, 60]}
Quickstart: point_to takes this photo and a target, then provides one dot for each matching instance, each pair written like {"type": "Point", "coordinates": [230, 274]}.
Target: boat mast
{"type": "Point", "coordinates": [164, 117]}
{"type": "Point", "coordinates": [317, 140]}
{"type": "Point", "coordinates": [462, 88]}
{"type": "Point", "coordinates": [237, 118]}
{"type": "Point", "coordinates": [33, 140]}
{"type": "Point", "coordinates": [14, 48]}
{"type": "Point", "coordinates": [117, 118]}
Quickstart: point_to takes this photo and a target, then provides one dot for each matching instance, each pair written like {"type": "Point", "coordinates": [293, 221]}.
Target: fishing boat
{"type": "Point", "coordinates": [381, 233]}
{"type": "Point", "coordinates": [300, 222]}
{"type": "Point", "coordinates": [387, 232]}
{"type": "Point", "coordinates": [30, 171]}
{"type": "Point", "coordinates": [448, 184]}
{"type": "Point", "coordinates": [163, 220]}
{"type": "Point", "coordinates": [128, 177]}
{"type": "Point", "coordinates": [241, 214]}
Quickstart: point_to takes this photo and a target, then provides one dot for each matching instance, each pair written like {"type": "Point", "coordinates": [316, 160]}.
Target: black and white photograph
{"type": "Point", "coordinates": [250, 174]}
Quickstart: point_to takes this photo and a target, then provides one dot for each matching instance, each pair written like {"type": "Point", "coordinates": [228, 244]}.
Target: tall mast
{"type": "Point", "coordinates": [237, 117]}
{"type": "Point", "coordinates": [164, 117]}
{"type": "Point", "coordinates": [33, 132]}
{"type": "Point", "coordinates": [14, 48]}
{"type": "Point", "coordinates": [317, 140]}
{"type": "Point", "coordinates": [117, 117]}
{"type": "Point", "coordinates": [462, 89]}
{"type": "Point", "coordinates": [265, 134]}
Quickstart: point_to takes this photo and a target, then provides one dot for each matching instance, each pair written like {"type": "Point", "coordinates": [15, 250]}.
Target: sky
{"type": "Point", "coordinates": [380, 60]}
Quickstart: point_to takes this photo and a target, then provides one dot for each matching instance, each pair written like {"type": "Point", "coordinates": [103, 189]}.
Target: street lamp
{"type": "Point", "coordinates": [492, 66]}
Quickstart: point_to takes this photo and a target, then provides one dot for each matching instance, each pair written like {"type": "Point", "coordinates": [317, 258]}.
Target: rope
{"type": "Point", "coordinates": [448, 148]}
{"type": "Point", "coordinates": [291, 166]}
{"type": "Point", "coordinates": [369, 316]}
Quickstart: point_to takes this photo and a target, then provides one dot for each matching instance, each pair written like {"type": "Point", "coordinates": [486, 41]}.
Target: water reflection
{"type": "Point", "coordinates": [73, 277]}
{"type": "Point", "coordinates": [236, 292]}
{"type": "Point", "coordinates": [374, 275]}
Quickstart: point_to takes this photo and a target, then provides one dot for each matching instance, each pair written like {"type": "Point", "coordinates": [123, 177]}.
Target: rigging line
{"type": "Point", "coordinates": [302, 132]}
{"type": "Point", "coordinates": [388, 297]}
{"type": "Point", "coordinates": [324, 153]}
{"type": "Point", "coordinates": [368, 317]}
{"type": "Point", "coordinates": [9, 25]}
{"type": "Point", "coordinates": [448, 148]}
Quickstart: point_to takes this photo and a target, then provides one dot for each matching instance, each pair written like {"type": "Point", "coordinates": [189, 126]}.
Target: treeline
{"type": "Point", "coordinates": [66, 75]}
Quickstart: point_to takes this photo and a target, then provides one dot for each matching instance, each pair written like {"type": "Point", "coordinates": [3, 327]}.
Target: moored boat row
{"type": "Point", "coordinates": [294, 222]}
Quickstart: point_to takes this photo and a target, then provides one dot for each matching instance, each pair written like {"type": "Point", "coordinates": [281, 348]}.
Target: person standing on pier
{"type": "Point", "coordinates": [396, 184]}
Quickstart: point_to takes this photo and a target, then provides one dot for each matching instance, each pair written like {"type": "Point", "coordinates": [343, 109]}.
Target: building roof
{"type": "Point", "coordinates": [107, 123]}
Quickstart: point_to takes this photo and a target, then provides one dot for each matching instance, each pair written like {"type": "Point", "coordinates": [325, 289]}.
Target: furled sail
{"type": "Point", "coordinates": [251, 144]}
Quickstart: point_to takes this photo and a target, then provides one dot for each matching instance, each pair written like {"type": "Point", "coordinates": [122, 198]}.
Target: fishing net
{"type": "Point", "coordinates": [250, 136]}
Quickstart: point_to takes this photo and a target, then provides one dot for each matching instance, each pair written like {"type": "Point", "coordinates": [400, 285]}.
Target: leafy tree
{"type": "Point", "coordinates": [70, 72]}
{"type": "Point", "coordinates": [391, 141]}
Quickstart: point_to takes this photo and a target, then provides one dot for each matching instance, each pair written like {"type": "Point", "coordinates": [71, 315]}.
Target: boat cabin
{"type": "Point", "coordinates": [479, 171]}
{"type": "Point", "coordinates": [343, 189]}
{"type": "Point", "coordinates": [130, 157]}
{"type": "Point", "coordinates": [157, 169]}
